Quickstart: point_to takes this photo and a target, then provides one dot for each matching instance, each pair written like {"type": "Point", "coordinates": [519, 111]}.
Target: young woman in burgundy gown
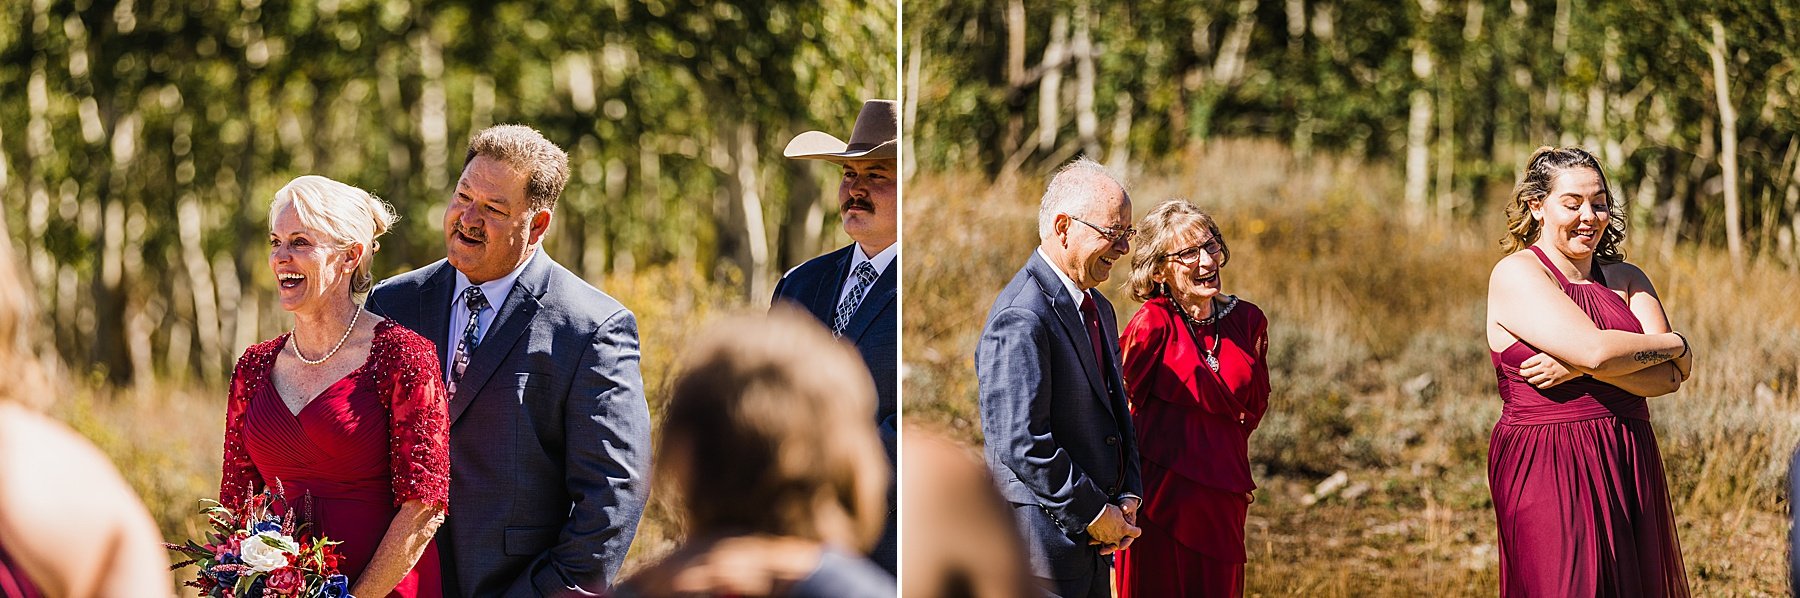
{"type": "Point", "coordinates": [1578, 340]}
{"type": "Point", "coordinates": [1195, 366]}
{"type": "Point", "coordinates": [347, 412]}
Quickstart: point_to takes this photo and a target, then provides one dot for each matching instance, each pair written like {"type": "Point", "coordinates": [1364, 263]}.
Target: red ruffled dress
{"type": "Point", "coordinates": [1193, 429]}
{"type": "Point", "coordinates": [370, 442]}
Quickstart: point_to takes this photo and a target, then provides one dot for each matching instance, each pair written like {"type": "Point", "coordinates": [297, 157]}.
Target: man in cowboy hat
{"type": "Point", "coordinates": [853, 290]}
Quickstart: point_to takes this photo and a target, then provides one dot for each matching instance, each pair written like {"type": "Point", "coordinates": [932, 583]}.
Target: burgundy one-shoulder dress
{"type": "Point", "coordinates": [370, 442]}
{"type": "Point", "coordinates": [1578, 484]}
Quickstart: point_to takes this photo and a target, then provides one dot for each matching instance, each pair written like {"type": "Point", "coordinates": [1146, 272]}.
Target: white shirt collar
{"type": "Point", "coordinates": [495, 290]}
{"type": "Point", "coordinates": [1068, 283]}
{"type": "Point", "coordinates": [880, 260]}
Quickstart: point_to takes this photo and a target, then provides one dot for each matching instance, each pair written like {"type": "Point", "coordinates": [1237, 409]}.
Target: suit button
{"type": "Point", "coordinates": [1113, 489]}
{"type": "Point", "coordinates": [1112, 440]}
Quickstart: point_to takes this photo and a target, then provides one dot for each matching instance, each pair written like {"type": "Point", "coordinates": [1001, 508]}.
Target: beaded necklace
{"type": "Point", "coordinates": [1193, 325]}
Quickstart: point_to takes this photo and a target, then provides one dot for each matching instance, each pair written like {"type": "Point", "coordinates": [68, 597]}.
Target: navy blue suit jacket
{"type": "Point", "coordinates": [549, 436]}
{"type": "Point", "coordinates": [815, 286]}
{"type": "Point", "coordinates": [1057, 426]}
{"type": "Point", "coordinates": [874, 329]}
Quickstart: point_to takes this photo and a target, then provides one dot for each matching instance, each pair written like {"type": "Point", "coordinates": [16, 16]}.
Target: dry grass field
{"type": "Point", "coordinates": [167, 440]}
{"type": "Point", "coordinates": [1381, 376]}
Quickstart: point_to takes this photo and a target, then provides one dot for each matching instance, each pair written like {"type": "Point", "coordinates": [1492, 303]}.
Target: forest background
{"type": "Point", "coordinates": [142, 140]}
{"type": "Point", "coordinates": [1357, 154]}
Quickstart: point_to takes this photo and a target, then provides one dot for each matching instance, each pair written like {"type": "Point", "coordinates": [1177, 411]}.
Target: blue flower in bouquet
{"type": "Point", "coordinates": [227, 578]}
{"type": "Point", "coordinates": [266, 526]}
{"type": "Point", "coordinates": [256, 587]}
{"type": "Point", "coordinates": [336, 586]}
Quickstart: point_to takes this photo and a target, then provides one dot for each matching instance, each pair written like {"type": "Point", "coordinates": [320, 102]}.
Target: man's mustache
{"type": "Point", "coordinates": [477, 237]}
{"type": "Point", "coordinates": [853, 204]}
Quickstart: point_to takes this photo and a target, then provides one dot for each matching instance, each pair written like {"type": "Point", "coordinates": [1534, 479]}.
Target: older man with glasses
{"type": "Point", "coordinates": [1053, 406]}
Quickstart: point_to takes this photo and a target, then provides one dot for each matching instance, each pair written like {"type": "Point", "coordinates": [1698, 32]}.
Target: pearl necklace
{"type": "Point", "coordinates": [294, 340]}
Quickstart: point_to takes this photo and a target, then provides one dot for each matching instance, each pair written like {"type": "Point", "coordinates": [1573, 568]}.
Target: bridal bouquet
{"type": "Point", "coordinates": [253, 553]}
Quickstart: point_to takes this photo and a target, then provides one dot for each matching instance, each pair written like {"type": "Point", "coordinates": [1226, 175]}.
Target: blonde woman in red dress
{"type": "Point", "coordinates": [347, 411]}
{"type": "Point", "coordinates": [1195, 366]}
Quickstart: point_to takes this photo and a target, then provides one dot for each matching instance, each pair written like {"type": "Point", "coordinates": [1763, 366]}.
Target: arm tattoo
{"type": "Point", "coordinates": [1651, 357]}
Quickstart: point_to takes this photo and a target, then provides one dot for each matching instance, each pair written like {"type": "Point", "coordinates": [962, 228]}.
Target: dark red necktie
{"type": "Point", "coordinates": [1091, 314]}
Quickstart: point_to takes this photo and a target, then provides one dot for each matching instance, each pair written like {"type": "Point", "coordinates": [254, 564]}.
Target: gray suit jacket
{"type": "Point", "coordinates": [1058, 429]}
{"type": "Point", "coordinates": [549, 437]}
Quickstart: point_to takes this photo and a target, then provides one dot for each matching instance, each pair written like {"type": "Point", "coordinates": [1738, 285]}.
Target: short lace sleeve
{"type": "Point", "coordinates": [239, 478]}
{"type": "Point", "coordinates": [419, 416]}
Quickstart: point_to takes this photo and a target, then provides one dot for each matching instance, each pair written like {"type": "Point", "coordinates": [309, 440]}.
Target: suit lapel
{"type": "Point", "coordinates": [434, 310]}
{"type": "Point", "coordinates": [879, 296]}
{"type": "Point", "coordinates": [823, 302]}
{"type": "Point", "coordinates": [514, 318]}
{"type": "Point", "coordinates": [1069, 314]}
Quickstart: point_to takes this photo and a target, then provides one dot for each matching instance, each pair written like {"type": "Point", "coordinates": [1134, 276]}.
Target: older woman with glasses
{"type": "Point", "coordinates": [1195, 366]}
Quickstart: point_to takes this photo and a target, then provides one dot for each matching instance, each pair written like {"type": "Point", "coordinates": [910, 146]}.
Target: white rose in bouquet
{"type": "Point", "coordinates": [267, 551]}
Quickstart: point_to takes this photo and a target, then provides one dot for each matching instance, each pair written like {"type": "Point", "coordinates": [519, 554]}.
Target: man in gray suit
{"type": "Point", "coordinates": [1053, 408]}
{"type": "Point", "coordinates": [550, 434]}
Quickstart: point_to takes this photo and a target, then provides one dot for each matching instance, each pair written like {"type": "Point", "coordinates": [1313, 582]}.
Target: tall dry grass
{"type": "Point", "coordinates": [1381, 372]}
{"type": "Point", "coordinates": [166, 440]}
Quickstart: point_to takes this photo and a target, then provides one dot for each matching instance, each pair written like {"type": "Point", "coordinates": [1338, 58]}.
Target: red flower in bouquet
{"type": "Point", "coordinates": [286, 581]}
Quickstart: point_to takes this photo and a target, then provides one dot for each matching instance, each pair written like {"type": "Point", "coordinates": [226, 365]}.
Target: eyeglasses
{"type": "Point", "coordinates": [1110, 234]}
{"type": "Point", "coordinates": [1191, 255]}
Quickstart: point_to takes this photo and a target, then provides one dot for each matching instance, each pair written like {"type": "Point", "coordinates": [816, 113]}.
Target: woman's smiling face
{"type": "Point", "coordinates": [1575, 213]}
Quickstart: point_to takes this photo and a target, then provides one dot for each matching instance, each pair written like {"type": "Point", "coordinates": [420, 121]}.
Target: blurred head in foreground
{"type": "Point", "coordinates": [960, 536]}
{"type": "Point", "coordinates": [767, 451]}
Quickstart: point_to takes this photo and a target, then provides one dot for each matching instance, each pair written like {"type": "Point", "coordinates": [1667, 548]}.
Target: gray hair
{"type": "Point", "coordinates": [1070, 190]}
{"type": "Point", "coordinates": [342, 214]}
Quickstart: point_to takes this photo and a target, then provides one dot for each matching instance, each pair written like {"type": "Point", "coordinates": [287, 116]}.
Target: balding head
{"type": "Point", "coordinates": [1074, 189]}
{"type": "Point", "coordinates": [1084, 222]}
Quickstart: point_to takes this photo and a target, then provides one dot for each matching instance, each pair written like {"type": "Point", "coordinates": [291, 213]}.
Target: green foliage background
{"type": "Point", "coordinates": [141, 140]}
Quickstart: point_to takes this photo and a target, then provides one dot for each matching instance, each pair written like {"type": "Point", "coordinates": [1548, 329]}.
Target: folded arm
{"type": "Point", "coordinates": [1527, 304]}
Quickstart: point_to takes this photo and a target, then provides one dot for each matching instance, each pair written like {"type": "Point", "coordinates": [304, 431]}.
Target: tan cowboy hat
{"type": "Point", "coordinates": [876, 137]}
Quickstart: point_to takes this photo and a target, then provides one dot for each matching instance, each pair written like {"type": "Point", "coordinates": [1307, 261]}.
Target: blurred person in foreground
{"type": "Point", "coordinates": [1578, 339]}
{"type": "Point", "coordinates": [961, 540]}
{"type": "Point", "coordinates": [550, 433]}
{"type": "Point", "coordinates": [1056, 420]}
{"type": "Point", "coordinates": [767, 451]}
{"type": "Point", "coordinates": [69, 525]}
{"type": "Point", "coordinates": [855, 290]}
{"type": "Point", "coordinates": [345, 412]}
{"type": "Point", "coordinates": [1196, 367]}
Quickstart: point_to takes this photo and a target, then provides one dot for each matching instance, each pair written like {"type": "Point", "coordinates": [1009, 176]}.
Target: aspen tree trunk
{"type": "Point", "coordinates": [1087, 125]}
{"type": "Point", "coordinates": [1050, 86]}
{"type": "Point", "coordinates": [1727, 142]}
{"type": "Point", "coordinates": [1418, 125]}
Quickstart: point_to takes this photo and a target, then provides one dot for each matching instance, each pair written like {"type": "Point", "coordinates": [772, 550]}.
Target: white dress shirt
{"type": "Point", "coordinates": [880, 262]}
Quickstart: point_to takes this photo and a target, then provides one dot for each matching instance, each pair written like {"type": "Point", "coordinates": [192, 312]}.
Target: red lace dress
{"type": "Point", "coordinates": [365, 445]}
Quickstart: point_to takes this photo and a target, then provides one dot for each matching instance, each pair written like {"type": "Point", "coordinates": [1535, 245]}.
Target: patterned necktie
{"type": "Point", "coordinates": [476, 301]}
{"type": "Point", "coordinates": [1092, 314]}
{"type": "Point", "coordinates": [865, 276]}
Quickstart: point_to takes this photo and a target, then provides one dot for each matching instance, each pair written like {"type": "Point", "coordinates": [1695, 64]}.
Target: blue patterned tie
{"type": "Point", "coordinates": [476, 301]}
{"type": "Point", "coordinates": [865, 276]}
